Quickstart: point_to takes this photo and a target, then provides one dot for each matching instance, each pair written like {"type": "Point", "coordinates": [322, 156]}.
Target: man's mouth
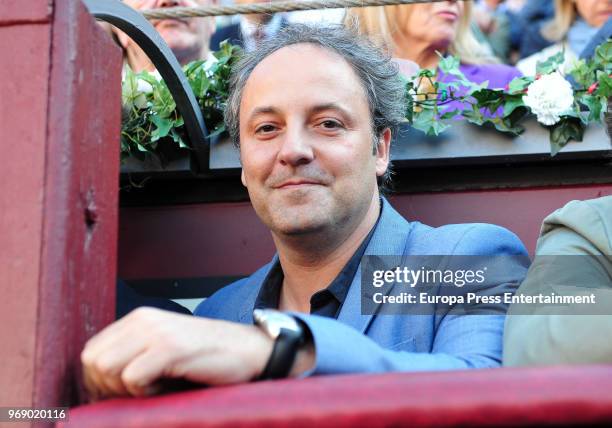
{"type": "Point", "coordinates": [297, 183]}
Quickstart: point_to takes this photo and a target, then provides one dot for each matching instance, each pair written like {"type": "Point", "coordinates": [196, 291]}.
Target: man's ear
{"type": "Point", "coordinates": [383, 152]}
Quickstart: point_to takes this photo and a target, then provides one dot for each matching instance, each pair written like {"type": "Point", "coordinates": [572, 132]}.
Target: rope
{"type": "Point", "coordinates": [268, 8]}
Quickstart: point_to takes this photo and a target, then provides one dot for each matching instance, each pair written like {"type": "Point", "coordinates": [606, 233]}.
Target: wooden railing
{"type": "Point", "coordinates": [532, 397]}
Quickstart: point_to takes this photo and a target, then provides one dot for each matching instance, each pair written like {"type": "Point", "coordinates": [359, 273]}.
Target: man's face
{"type": "Point", "coordinates": [185, 37]}
{"type": "Point", "coordinates": [306, 142]}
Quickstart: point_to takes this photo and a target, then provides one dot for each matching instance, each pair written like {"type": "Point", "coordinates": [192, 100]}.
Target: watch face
{"type": "Point", "coordinates": [274, 321]}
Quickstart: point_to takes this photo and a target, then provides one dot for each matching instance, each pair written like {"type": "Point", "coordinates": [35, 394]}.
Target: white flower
{"type": "Point", "coordinates": [549, 98]}
{"type": "Point", "coordinates": [144, 86]}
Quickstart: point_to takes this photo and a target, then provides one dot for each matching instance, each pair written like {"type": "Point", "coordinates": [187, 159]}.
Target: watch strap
{"type": "Point", "coordinates": [283, 355]}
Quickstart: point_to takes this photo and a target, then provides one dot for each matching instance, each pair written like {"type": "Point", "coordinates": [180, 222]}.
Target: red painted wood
{"type": "Point", "coordinates": [23, 115]}
{"type": "Point", "coordinates": [520, 210]}
{"type": "Point", "coordinates": [19, 12]}
{"type": "Point", "coordinates": [58, 200]}
{"type": "Point", "coordinates": [228, 239]}
{"type": "Point", "coordinates": [192, 240]}
{"type": "Point", "coordinates": [499, 397]}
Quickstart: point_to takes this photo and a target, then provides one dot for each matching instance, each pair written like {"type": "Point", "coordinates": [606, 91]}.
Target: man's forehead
{"type": "Point", "coordinates": [305, 71]}
{"type": "Point", "coordinates": [309, 53]}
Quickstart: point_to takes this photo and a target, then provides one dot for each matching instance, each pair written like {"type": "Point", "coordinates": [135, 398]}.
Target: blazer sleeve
{"type": "Point", "coordinates": [460, 342]}
{"type": "Point", "coordinates": [577, 235]}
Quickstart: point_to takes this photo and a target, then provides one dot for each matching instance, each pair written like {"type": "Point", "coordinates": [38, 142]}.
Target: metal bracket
{"type": "Point", "coordinates": [142, 32]}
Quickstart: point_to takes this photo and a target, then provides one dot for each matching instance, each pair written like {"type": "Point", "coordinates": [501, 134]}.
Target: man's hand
{"type": "Point", "coordinates": [129, 356]}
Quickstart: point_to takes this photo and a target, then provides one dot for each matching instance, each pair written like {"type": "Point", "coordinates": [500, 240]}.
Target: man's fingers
{"type": "Point", "coordinates": [140, 375]}
{"type": "Point", "coordinates": [106, 355]}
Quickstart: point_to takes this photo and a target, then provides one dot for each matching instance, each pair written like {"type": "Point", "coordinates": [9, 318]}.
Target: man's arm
{"type": "Point", "coordinates": [130, 356]}
{"type": "Point", "coordinates": [463, 342]}
{"type": "Point", "coordinates": [460, 342]}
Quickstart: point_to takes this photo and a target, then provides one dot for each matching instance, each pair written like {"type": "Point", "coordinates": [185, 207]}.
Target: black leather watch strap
{"type": "Point", "coordinates": [283, 355]}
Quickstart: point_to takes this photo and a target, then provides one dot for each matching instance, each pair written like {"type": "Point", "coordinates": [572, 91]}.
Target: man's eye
{"type": "Point", "coordinates": [265, 129]}
{"type": "Point", "coordinates": [330, 124]}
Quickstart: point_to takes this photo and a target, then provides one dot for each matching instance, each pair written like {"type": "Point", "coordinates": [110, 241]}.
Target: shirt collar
{"type": "Point", "coordinates": [269, 293]}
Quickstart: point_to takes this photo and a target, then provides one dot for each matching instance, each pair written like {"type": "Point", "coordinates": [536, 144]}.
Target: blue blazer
{"type": "Point", "coordinates": [357, 343]}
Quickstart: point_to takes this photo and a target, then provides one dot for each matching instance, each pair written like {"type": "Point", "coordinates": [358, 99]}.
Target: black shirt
{"type": "Point", "coordinates": [326, 302]}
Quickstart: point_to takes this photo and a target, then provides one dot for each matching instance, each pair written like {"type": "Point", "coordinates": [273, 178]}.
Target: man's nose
{"type": "Point", "coordinates": [295, 149]}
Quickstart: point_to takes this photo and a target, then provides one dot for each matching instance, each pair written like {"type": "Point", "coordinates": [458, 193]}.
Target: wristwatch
{"type": "Point", "coordinates": [288, 336]}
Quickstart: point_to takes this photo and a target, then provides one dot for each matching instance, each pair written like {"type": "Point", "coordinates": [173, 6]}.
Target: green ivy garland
{"type": "Point", "coordinates": [151, 122]}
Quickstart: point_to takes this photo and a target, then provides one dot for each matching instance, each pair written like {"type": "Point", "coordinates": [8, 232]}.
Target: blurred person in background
{"type": "Point", "coordinates": [418, 32]}
{"type": "Point", "coordinates": [528, 22]}
{"type": "Point", "coordinates": [250, 30]}
{"type": "Point", "coordinates": [580, 235]}
{"type": "Point", "coordinates": [324, 16]}
{"type": "Point", "coordinates": [575, 23]}
{"type": "Point", "coordinates": [187, 38]}
{"type": "Point", "coordinates": [493, 21]}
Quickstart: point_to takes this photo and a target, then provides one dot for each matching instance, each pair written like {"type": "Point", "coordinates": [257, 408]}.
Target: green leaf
{"type": "Point", "coordinates": [551, 64]}
{"type": "Point", "coordinates": [512, 120]}
{"type": "Point", "coordinates": [149, 78]}
{"type": "Point", "coordinates": [449, 64]}
{"type": "Point", "coordinates": [193, 67]}
{"type": "Point", "coordinates": [490, 99]}
{"type": "Point", "coordinates": [162, 129]}
{"type": "Point", "coordinates": [512, 103]}
{"type": "Point", "coordinates": [423, 120]}
{"type": "Point", "coordinates": [603, 53]}
{"type": "Point", "coordinates": [129, 90]}
{"type": "Point", "coordinates": [474, 116]}
{"type": "Point", "coordinates": [605, 85]}
{"type": "Point", "coordinates": [409, 112]}
{"type": "Point", "coordinates": [594, 107]}
{"type": "Point", "coordinates": [567, 129]}
{"type": "Point", "coordinates": [450, 114]}
{"type": "Point", "coordinates": [582, 73]}
{"type": "Point", "coordinates": [163, 103]}
{"type": "Point", "coordinates": [519, 84]}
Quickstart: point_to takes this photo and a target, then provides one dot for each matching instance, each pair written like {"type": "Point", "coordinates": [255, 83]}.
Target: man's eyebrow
{"type": "Point", "coordinates": [312, 110]}
{"type": "Point", "coordinates": [329, 106]}
{"type": "Point", "coordinates": [262, 110]}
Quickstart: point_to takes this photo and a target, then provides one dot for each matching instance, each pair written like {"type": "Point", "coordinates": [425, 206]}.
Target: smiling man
{"type": "Point", "coordinates": [312, 111]}
{"type": "Point", "coordinates": [187, 38]}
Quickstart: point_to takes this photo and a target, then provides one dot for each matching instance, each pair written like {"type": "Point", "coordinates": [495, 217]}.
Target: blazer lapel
{"type": "Point", "coordinates": [390, 239]}
{"type": "Point", "coordinates": [253, 285]}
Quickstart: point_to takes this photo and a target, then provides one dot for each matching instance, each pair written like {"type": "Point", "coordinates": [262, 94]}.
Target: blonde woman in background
{"type": "Point", "coordinates": [417, 32]}
{"type": "Point", "coordinates": [574, 24]}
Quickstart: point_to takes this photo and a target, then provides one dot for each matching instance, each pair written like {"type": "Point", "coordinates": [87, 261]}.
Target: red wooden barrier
{"type": "Point", "coordinates": [498, 397]}
{"type": "Point", "coordinates": [59, 146]}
